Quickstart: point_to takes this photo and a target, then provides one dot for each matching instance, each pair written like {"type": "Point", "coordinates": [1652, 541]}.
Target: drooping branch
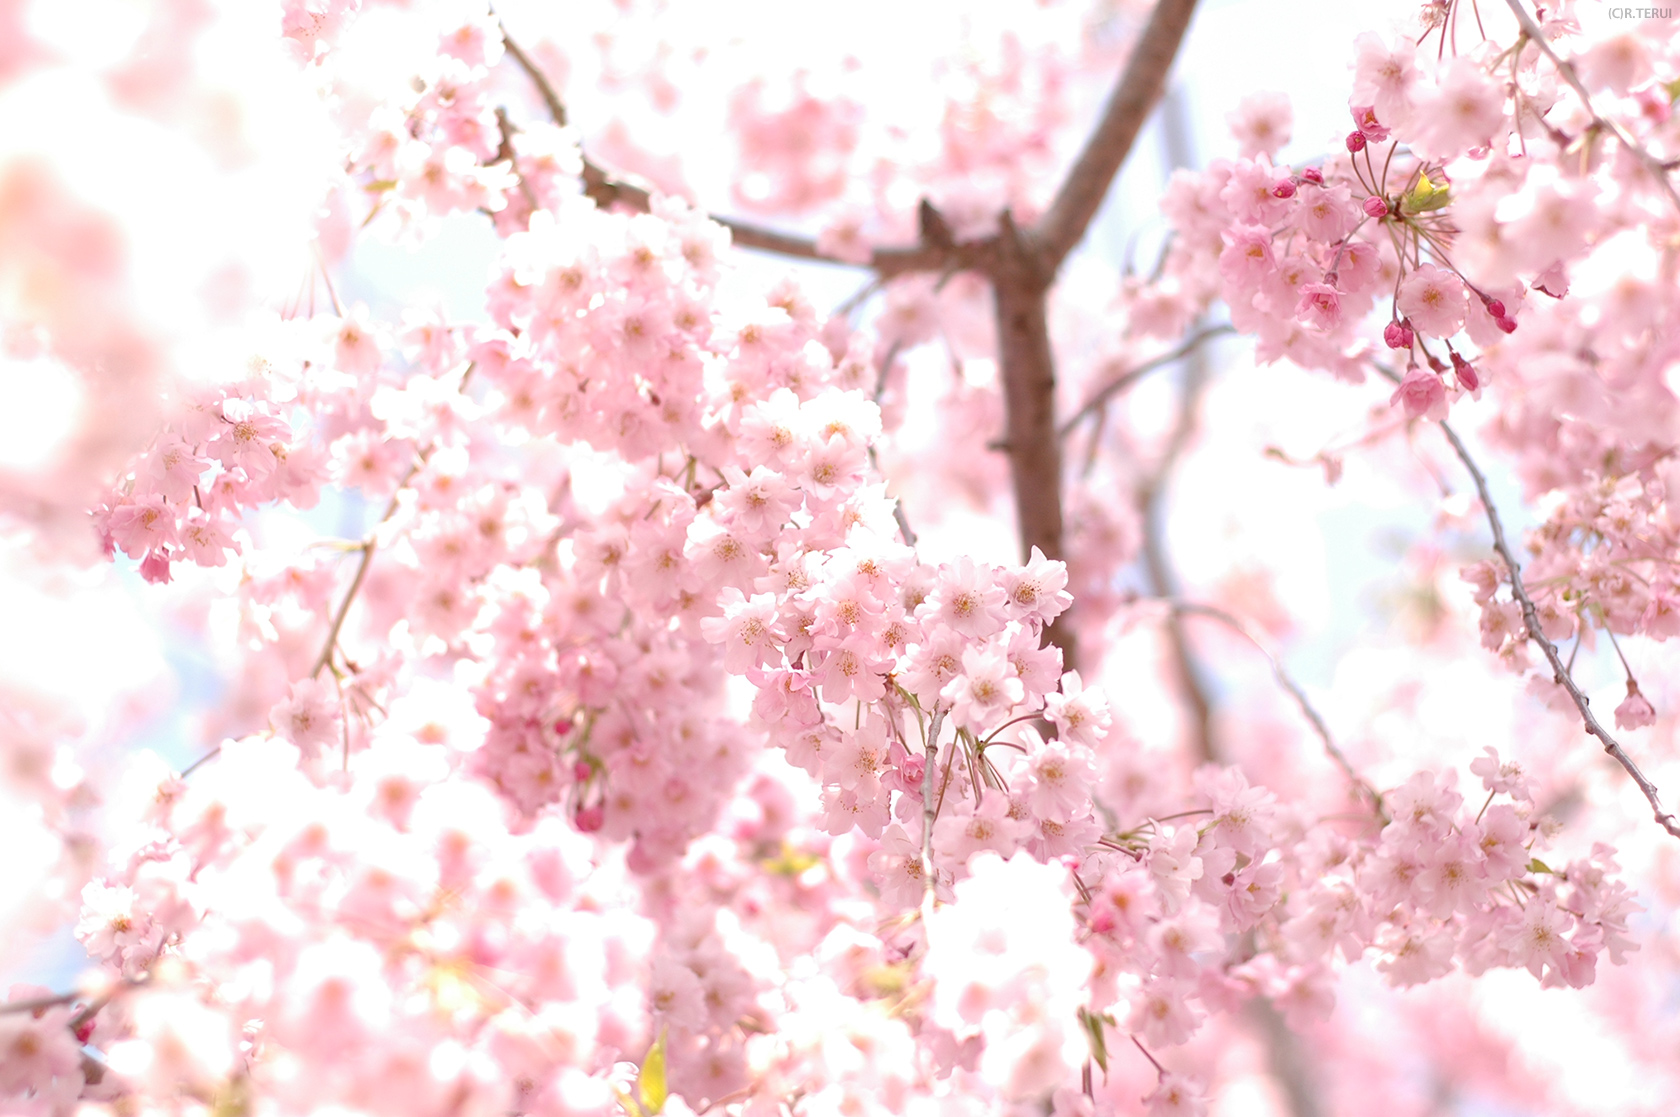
{"type": "Point", "coordinates": [1139, 88]}
{"type": "Point", "coordinates": [1560, 670]}
{"type": "Point", "coordinates": [1158, 569]}
{"type": "Point", "coordinates": [1288, 683]}
{"type": "Point", "coordinates": [1655, 167]}
{"type": "Point", "coordinates": [1132, 375]}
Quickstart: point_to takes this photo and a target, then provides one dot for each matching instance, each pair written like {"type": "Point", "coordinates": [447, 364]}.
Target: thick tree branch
{"type": "Point", "coordinates": [1029, 394]}
{"type": "Point", "coordinates": [1560, 670]}
{"type": "Point", "coordinates": [1128, 107]}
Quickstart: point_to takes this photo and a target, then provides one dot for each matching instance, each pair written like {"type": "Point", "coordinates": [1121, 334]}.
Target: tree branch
{"type": "Point", "coordinates": [1243, 629]}
{"type": "Point", "coordinates": [930, 756]}
{"type": "Point", "coordinates": [1566, 70]}
{"type": "Point", "coordinates": [1136, 93]}
{"type": "Point", "coordinates": [1028, 372]}
{"type": "Point", "coordinates": [1131, 376]}
{"type": "Point", "coordinates": [608, 189]}
{"type": "Point", "coordinates": [1560, 671]}
{"type": "Point", "coordinates": [1158, 566]}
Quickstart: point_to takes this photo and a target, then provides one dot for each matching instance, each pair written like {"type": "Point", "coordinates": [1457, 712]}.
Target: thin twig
{"type": "Point", "coordinates": [930, 754]}
{"type": "Point", "coordinates": [1246, 631]}
{"type": "Point", "coordinates": [608, 189]}
{"type": "Point", "coordinates": [1158, 568]}
{"type": "Point", "coordinates": [1566, 70]}
{"type": "Point", "coordinates": [36, 1004]}
{"type": "Point", "coordinates": [1560, 672]}
{"type": "Point", "coordinates": [1132, 375]}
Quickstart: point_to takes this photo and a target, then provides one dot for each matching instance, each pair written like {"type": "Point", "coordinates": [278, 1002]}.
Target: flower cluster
{"type": "Point", "coordinates": [631, 757]}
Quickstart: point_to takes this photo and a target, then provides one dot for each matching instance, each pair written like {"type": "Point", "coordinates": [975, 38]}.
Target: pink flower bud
{"type": "Point", "coordinates": [1313, 175]}
{"type": "Point", "coordinates": [562, 726]}
{"type": "Point", "coordinates": [1496, 308]}
{"type": "Point", "coordinates": [1466, 373]}
{"type": "Point", "coordinates": [1508, 325]}
{"type": "Point", "coordinates": [1284, 189]}
{"type": "Point", "coordinates": [581, 770]}
{"type": "Point", "coordinates": [1356, 141]}
{"type": "Point", "coordinates": [591, 819]}
{"type": "Point", "coordinates": [1398, 335]}
{"type": "Point", "coordinates": [1376, 207]}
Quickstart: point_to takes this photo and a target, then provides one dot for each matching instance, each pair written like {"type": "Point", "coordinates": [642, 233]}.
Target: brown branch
{"type": "Point", "coordinates": [608, 189]}
{"type": "Point", "coordinates": [551, 99]}
{"type": "Point", "coordinates": [1560, 670]}
{"type": "Point", "coordinates": [1128, 107]}
{"type": "Point", "coordinates": [1028, 372]}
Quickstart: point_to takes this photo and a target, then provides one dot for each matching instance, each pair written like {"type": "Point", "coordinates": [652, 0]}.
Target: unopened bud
{"type": "Point", "coordinates": [1496, 308]}
{"type": "Point", "coordinates": [580, 770]}
{"type": "Point", "coordinates": [591, 819]}
{"type": "Point", "coordinates": [1356, 141]}
{"type": "Point", "coordinates": [1508, 325]}
{"type": "Point", "coordinates": [1284, 189]}
{"type": "Point", "coordinates": [1398, 335]}
{"type": "Point", "coordinates": [1376, 207]}
{"type": "Point", "coordinates": [1466, 373]}
{"type": "Point", "coordinates": [1313, 175]}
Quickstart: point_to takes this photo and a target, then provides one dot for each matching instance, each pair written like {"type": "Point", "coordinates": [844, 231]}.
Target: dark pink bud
{"type": "Point", "coordinates": [1376, 207]}
{"type": "Point", "coordinates": [563, 726]}
{"type": "Point", "coordinates": [581, 770]}
{"type": "Point", "coordinates": [1284, 190]}
{"type": "Point", "coordinates": [1313, 175]}
{"type": "Point", "coordinates": [1398, 335]}
{"type": "Point", "coordinates": [1356, 141]}
{"type": "Point", "coordinates": [1496, 308]}
{"type": "Point", "coordinates": [591, 819]}
{"type": "Point", "coordinates": [1466, 373]}
{"type": "Point", "coordinates": [1508, 325]}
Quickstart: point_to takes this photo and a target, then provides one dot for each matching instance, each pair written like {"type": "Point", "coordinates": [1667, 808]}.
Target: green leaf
{"type": "Point", "coordinates": [1535, 865]}
{"type": "Point", "coordinates": [650, 1083]}
{"type": "Point", "coordinates": [1425, 196]}
{"type": "Point", "coordinates": [1094, 1032]}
